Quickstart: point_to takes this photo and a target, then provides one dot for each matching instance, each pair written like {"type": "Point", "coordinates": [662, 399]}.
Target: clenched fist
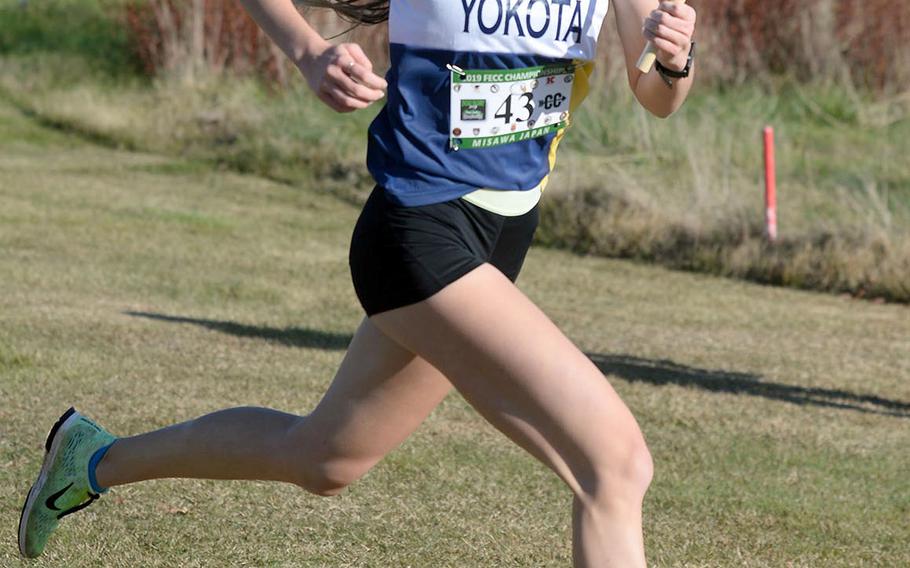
{"type": "Point", "coordinates": [342, 77]}
{"type": "Point", "coordinates": [670, 29]}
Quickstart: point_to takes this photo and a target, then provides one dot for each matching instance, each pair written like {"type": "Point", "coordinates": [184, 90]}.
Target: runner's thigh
{"type": "Point", "coordinates": [380, 394]}
{"type": "Point", "coordinates": [521, 373]}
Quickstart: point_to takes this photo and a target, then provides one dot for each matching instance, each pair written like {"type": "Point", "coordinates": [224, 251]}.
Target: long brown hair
{"type": "Point", "coordinates": [357, 11]}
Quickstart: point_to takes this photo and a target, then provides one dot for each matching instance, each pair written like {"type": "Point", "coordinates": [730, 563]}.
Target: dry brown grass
{"type": "Point", "coordinates": [864, 264]}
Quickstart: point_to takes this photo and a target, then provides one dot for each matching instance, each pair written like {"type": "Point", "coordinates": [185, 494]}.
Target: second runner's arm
{"type": "Point", "coordinates": [669, 26]}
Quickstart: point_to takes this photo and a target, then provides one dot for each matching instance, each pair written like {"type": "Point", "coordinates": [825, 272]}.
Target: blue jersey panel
{"type": "Point", "coordinates": [409, 151]}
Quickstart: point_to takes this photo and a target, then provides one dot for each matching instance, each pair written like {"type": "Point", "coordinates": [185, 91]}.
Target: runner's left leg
{"type": "Point", "coordinates": [380, 394]}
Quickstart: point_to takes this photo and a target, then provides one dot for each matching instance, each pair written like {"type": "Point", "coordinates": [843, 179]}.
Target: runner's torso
{"type": "Point", "coordinates": [479, 93]}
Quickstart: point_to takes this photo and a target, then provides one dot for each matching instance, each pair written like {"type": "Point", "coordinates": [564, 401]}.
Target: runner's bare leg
{"type": "Point", "coordinates": [380, 394]}
{"type": "Point", "coordinates": [524, 376]}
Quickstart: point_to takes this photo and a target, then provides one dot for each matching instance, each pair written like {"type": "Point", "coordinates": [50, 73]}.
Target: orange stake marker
{"type": "Point", "coordinates": [770, 186]}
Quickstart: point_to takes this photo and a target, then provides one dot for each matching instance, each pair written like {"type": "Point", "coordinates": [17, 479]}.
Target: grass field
{"type": "Point", "coordinates": [685, 193]}
{"type": "Point", "coordinates": [147, 289]}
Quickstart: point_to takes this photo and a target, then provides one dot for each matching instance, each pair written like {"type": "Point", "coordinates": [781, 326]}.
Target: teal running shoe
{"type": "Point", "coordinates": [63, 485]}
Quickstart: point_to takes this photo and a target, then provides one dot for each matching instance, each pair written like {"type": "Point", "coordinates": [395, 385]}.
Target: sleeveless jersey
{"type": "Point", "coordinates": [412, 152]}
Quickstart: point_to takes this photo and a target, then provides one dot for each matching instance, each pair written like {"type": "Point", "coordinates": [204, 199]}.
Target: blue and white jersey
{"type": "Point", "coordinates": [414, 144]}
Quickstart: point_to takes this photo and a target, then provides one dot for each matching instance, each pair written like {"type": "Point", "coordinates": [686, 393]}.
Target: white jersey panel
{"type": "Point", "coordinates": [566, 29]}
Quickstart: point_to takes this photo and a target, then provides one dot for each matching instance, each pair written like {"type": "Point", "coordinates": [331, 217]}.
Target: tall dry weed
{"type": "Point", "coordinates": [865, 42]}
{"type": "Point", "coordinates": [186, 37]}
{"type": "Point", "coordinates": [866, 264]}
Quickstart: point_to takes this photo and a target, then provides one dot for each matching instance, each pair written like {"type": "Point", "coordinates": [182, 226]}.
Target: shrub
{"type": "Point", "coordinates": [185, 37]}
{"type": "Point", "coordinates": [188, 36]}
{"type": "Point", "coordinates": [818, 39]}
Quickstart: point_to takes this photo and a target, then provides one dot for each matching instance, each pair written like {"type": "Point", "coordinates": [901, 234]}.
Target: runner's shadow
{"type": "Point", "coordinates": [626, 367]}
{"type": "Point", "coordinates": [290, 336]}
{"type": "Point", "coordinates": [662, 372]}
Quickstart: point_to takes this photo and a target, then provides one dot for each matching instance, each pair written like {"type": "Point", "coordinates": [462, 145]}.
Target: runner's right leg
{"type": "Point", "coordinates": [380, 394]}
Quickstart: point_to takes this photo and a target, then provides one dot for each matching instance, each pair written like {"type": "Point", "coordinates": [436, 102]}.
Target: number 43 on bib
{"type": "Point", "coordinates": [493, 107]}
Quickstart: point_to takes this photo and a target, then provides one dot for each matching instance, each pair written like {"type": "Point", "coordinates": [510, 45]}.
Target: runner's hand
{"type": "Point", "coordinates": [670, 28]}
{"type": "Point", "coordinates": [342, 77]}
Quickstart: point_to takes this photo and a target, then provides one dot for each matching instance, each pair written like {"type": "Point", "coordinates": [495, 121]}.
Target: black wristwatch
{"type": "Point", "coordinates": [668, 74]}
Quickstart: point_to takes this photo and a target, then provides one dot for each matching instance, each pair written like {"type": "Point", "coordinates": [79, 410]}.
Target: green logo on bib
{"type": "Point", "coordinates": [473, 109]}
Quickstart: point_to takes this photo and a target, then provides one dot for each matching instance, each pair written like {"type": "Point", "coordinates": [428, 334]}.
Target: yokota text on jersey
{"type": "Point", "coordinates": [557, 20]}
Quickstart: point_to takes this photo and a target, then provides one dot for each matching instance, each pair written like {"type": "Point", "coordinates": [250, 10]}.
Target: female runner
{"type": "Point", "coordinates": [479, 95]}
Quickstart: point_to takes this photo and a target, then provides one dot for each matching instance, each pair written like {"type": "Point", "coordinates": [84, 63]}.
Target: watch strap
{"type": "Point", "coordinates": [678, 74]}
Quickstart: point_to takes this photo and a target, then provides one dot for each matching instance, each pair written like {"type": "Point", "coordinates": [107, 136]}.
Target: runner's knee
{"type": "Point", "coordinates": [622, 473]}
{"type": "Point", "coordinates": [329, 477]}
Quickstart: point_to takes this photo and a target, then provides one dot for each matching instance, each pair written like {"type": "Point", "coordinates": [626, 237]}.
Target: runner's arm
{"type": "Point", "coordinates": [281, 21]}
{"type": "Point", "coordinates": [636, 22]}
{"type": "Point", "coordinates": [340, 75]}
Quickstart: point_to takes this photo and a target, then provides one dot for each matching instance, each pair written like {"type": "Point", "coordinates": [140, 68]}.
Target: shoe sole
{"type": "Point", "coordinates": [51, 447]}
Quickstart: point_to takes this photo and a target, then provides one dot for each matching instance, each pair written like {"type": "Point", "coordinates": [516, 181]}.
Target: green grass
{"type": "Point", "coordinates": [684, 193]}
{"type": "Point", "coordinates": [85, 28]}
{"type": "Point", "coordinates": [147, 289]}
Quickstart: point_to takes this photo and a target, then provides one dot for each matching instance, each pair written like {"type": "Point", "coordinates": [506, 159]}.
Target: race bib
{"type": "Point", "coordinates": [494, 107]}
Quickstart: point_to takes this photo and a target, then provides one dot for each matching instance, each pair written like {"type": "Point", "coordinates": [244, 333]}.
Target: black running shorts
{"type": "Point", "coordinates": [403, 255]}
